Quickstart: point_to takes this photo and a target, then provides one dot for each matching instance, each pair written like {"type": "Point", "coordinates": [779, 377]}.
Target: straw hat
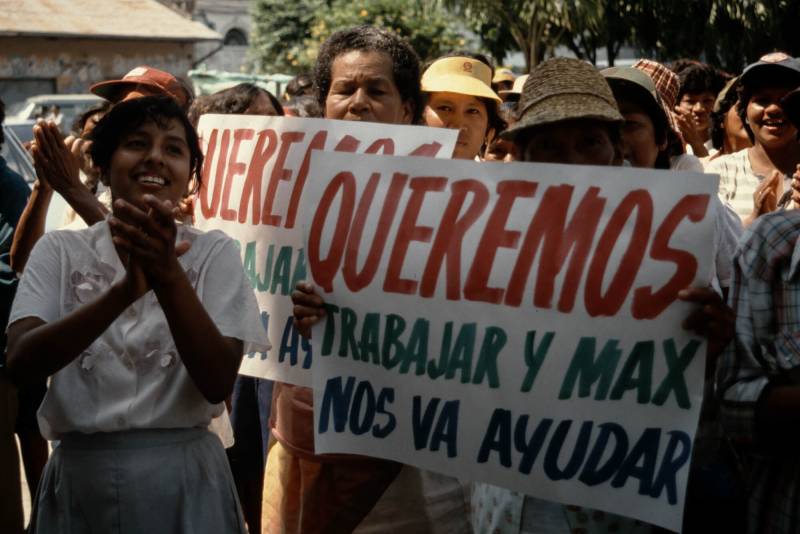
{"type": "Point", "coordinates": [516, 89]}
{"type": "Point", "coordinates": [462, 75]}
{"type": "Point", "coordinates": [503, 75]}
{"type": "Point", "coordinates": [562, 89]}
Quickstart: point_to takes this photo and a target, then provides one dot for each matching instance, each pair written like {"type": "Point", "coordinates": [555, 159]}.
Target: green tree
{"type": "Point", "coordinates": [423, 24]}
{"type": "Point", "coordinates": [535, 26]}
{"type": "Point", "coordinates": [287, 36]}
{"type": "Point", "coordinates": [279, 35]}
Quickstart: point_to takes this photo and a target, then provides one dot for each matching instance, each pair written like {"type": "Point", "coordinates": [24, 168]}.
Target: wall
{"type": "Point", "coordinates": [72, 65]}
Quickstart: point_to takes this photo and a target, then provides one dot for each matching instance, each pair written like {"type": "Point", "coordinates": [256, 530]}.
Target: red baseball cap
{"type": "Point", "coordinates": [142, 81]}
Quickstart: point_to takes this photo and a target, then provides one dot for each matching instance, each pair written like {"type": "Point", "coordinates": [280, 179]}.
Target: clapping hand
{"type": "Point", "coordinates": [146, 241]}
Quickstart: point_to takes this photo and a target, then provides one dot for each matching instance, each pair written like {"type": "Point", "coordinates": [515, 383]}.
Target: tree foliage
{"type": "Point", "coordinates": [287, 37]}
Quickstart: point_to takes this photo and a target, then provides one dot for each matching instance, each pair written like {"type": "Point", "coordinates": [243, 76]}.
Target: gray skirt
{"type": "Point", "coordinates": [137, 482]}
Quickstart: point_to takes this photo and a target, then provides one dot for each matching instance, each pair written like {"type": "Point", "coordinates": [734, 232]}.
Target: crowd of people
{"type": "Point", "coordinates": [128, 327]}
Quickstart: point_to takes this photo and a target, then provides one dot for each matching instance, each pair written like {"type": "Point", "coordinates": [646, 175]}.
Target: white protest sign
{"type": "Point", "coordinates": [515, 324]}
{"type": "Point", "coordinates": [254, 176]}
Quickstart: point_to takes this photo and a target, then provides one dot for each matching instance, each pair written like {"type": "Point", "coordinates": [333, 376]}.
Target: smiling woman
{"type": "Point", "coordinates": [754, 180]}
{"type": "Point", "coordinates": [141, 324]}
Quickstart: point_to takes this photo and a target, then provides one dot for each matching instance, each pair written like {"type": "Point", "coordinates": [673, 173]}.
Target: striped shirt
{"type": "Point", "coordinates": [766, 297]}
{"type": "Point", "coordinates": [737, 181]}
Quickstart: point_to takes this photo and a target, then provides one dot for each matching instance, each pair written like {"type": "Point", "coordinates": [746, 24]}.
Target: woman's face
{"type": "Point", "coordinates": [700, 105]}
{"type": "Point", "coordinates": [151, 160]}
{"type": "Point", "coordinates": [576, 142]}
{"type": "Point", "coordinates": [464, 113]}
{"type": "Point", "coordinates": [261, 105]}
{"type": "Point", "coordinates": [735, 135]}
{"type": "Point", "coordinates": [770, 126]}
{"type": "Point", "coordinates": [639, 145]}
{"type": "Point", "coordinates": [363, 89]}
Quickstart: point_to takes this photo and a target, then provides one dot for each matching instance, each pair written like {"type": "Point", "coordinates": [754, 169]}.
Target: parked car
{"type": "Point", "coordinates": [36, 107]}
{"type": "Point", "coordinates": [20, 161]}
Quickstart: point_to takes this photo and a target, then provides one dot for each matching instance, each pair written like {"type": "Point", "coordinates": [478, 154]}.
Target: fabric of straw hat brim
{"type": "Point", "coordinates": [563, 107]}
{"type": "Point", "coordinates": [456, 83]}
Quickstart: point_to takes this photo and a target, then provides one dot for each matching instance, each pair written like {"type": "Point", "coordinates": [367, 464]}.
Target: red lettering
{"type": "Point", "coordinates": [317, 142]}
{"type": "Point", "coordinates": [354, 279]}
{"type": "Point", "coordinates": [648, 304]}
{"type": "Point", "coordinates": [427, 150]}
{"type": "Point", "coordinates": [408, 232]}
{"type": "Point", "coordinates": [235, 167]}
{"type": "Point", "coordinates": [610, 303]}
{"type": "Point", "coordinates": [495, 235]}
{"type": "Point", "coordinates": [449, 236]}
{"type": "Point", "coordinates": [324, 271]}
{"type": "Point", "coordinates": [278, 173]}
{"type": "Point", "coordinates": [209, 209]}
{"type": "Point", "coordinates": [384, 146]}
{"type": "Point", "coordinates": [348, 143]}
{"type": "Point", "coordinates": [255, 174]}
{"type": "Point", "coordinates": [549, 229]}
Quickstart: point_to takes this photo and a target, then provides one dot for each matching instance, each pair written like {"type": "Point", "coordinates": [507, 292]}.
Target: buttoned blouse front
{"type": "Point", "coordinates": [132, 376]}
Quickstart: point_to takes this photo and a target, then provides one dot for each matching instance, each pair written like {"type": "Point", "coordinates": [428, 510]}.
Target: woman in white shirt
{"type": "Point", "coordinates": [141, 324]}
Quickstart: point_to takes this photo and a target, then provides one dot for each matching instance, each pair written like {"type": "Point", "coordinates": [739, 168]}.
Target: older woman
{"type": "Point", "coordinates": [362, 74]}
{"type": "Point", "coordinates": [141, 324]}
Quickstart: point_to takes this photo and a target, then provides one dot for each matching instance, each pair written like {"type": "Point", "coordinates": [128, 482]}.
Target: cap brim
{"type": "Point", "coordinates": [747, 77]}
{"type": "Point", "coordinates": [465, 85]}
{"type": "Point", "coordinates": [112, 89]}
{"type": "Point", "coordinates": [565, 107]}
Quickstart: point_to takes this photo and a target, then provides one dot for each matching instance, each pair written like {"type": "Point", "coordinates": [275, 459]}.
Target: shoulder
{"type": "Point", "coordinates": [725, 163]}
{"type": "Point", "coordinates": [206, 246]}
{"type": "Point", "coordinates": [768, 244]}
{"type": "Point", "coordinates": [686, 162]}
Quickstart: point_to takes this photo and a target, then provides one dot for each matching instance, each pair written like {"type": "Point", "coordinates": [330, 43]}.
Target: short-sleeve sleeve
{"type": "Point", "coordinates": [39, 287]}
{"type": "Point", "coordinates": [728, 229]}
{"type": "Point", "coordinates": [229, 300]}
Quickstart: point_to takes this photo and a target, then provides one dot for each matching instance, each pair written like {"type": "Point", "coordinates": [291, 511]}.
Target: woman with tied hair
{"type": "Point", "coordinates": [141, 324]}
{"type": "Point", "coordinates": [362, 74]}
{"type": "Point", "coordinates": [458, 94]}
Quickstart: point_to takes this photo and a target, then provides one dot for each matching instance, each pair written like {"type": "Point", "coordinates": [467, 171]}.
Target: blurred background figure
{"type": "Point", "coordinates": [503, 80]}
{"type": "Point", "coordinates": [700, 84]}
{"type": "Point", "coordinates": [300, 85]}
{"type": "Point", "coordinates": [13, 197]}
{"type": "Point", "coordinates": [728, 134]}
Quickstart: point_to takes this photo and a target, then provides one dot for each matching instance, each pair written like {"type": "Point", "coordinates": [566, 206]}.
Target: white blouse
{"type": "Point", "coordinates": [132, 376]}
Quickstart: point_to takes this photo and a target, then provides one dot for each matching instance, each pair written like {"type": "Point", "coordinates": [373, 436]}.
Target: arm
{"type": "Point", "coordinates": [37, 349]}
{"type": "Point", "coordinates": [57, 164]}
{"type": "Point", "coordinates": [211, 359]}
{"type": "Point", "coordinates": [31, 225]}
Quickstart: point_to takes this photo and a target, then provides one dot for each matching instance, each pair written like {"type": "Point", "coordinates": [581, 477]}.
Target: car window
{"type": "Point", "coordinates": [16, 156]}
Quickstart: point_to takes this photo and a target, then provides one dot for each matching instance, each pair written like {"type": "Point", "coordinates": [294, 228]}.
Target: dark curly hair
{"type": "Point", "coordinates": [235, 100]}
{"type": "Point", "coordinates": [495, 121]}
{"type": "Point", "coordinates": [405, 62]}
{"type": "Point", "coordinates": [699, 78]}
{"type": "Point", "coordinates": [127, 116]}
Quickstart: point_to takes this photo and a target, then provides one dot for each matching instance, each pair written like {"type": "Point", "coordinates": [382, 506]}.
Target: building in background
{"type": "Point", "coordinates": [229, 18]}
{"type": "Point", "coordinates": [64, 46]}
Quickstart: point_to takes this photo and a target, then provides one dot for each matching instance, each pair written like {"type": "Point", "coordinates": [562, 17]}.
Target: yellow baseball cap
{"type": "Point", "coordinates": [462, 75]}
{"type": "Point", "coordinates": [503, 75]}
